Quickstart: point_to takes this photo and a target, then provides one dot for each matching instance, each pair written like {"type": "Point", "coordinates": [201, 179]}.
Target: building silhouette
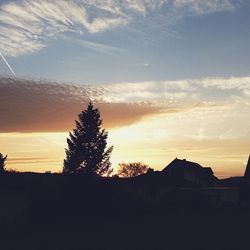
{"type": "Point", "coordinates": [190, 171]}
{"type": "Point", "coordinates": [247, 171]}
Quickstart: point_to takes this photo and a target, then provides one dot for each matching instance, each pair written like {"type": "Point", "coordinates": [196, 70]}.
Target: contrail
{"type": "Point", "coordinates": [12, 71]}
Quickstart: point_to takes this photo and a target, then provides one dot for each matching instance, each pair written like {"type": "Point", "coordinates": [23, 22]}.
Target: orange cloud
{"type": "Point", "coordinates": [40, 106]}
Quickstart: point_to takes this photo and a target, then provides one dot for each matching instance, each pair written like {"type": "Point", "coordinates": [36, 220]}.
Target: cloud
{"type": "Point", "coordinates": [28, 160]}
{"type": "Point", "coordinates": [94, 46]}
{"type": "Point", "coordinates": [44, 106]}
{"type": "Point", "coordinates": [28, 26]}
{"type": "Point", "coordinates": [142, 64]}
{"type": "Point", "coordinates": [201, 7]}
{"type": "Point", "coordinates": [179, 92]}
{"type": "Point", "coordinates": [40, 106]}
{"type": "Point", "coordinates": [236, 83]}
{"type": "Point", "coordinates": [149, 90]}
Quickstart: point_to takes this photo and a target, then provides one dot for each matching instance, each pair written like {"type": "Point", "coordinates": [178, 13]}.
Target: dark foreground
{"type": "Point", "coordinates": [71, 213]}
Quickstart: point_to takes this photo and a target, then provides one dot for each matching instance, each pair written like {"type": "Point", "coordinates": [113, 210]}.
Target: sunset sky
{"type": "Point", "coordinates": [171, 79]}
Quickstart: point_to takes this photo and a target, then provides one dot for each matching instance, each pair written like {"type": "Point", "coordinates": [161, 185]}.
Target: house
{"type": "Point", "coordinates": [182, 184]}
{"type": "Point", "coordinates": [190, 171]}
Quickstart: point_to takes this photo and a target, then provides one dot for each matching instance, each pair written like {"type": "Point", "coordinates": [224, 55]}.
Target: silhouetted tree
{"type": "Point", "coordinates": [87, 143]}
{"type": "Point", "coordinates": [132, 169]}
{"type": "Point", "coordinates": [2, 163]}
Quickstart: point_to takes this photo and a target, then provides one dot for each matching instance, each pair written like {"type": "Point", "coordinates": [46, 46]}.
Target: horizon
{"type": "Point", "coordinates": [170, 79]}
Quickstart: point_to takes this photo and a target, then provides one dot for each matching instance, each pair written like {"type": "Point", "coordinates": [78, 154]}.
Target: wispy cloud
{"type": "Point", "coordinates": [28, 26]}
{"type": "Point", "coordinates": [201, 7]}
{"type": "Point", "coordinates": [142, 64]}
{"type": "Point", "coordinates": [92, 45]}
{"type": "Point", "coordinates": [29, 160]}
{"type": "Point", "coordinates": [233, 83]}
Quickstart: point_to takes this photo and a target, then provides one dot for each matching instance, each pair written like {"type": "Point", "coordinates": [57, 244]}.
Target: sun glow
{"type": "Point", "coordinates": [155, 140]}
{"type": "Point", "coordinates": [38, 152]}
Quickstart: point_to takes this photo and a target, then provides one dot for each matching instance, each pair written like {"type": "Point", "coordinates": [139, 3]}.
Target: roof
{"type": "Point", "coordinates": [193, 167]}
{"type": "Point", "coordinates": [187, 164]}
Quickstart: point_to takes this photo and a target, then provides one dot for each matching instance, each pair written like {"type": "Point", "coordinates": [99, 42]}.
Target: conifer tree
{"type": "Point", "coordinates": [87, 143]}
{"type": "Point", "coordinates": [2, 163]}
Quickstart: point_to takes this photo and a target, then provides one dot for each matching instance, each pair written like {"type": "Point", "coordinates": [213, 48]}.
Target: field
{"type": "Point", "coordinates": [68, 212]}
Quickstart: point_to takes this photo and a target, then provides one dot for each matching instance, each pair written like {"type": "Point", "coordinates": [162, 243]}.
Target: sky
{"type": "Point", "coordinates": [171, 79]}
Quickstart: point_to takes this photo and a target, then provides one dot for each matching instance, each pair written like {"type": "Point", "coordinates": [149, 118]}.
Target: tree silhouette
{"type": "Point", "coordinates": [2, 163]}
{"type": "Point", "coordinates": [87, 143]}
{"type": "Point", "coordinates": [132, 169]}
